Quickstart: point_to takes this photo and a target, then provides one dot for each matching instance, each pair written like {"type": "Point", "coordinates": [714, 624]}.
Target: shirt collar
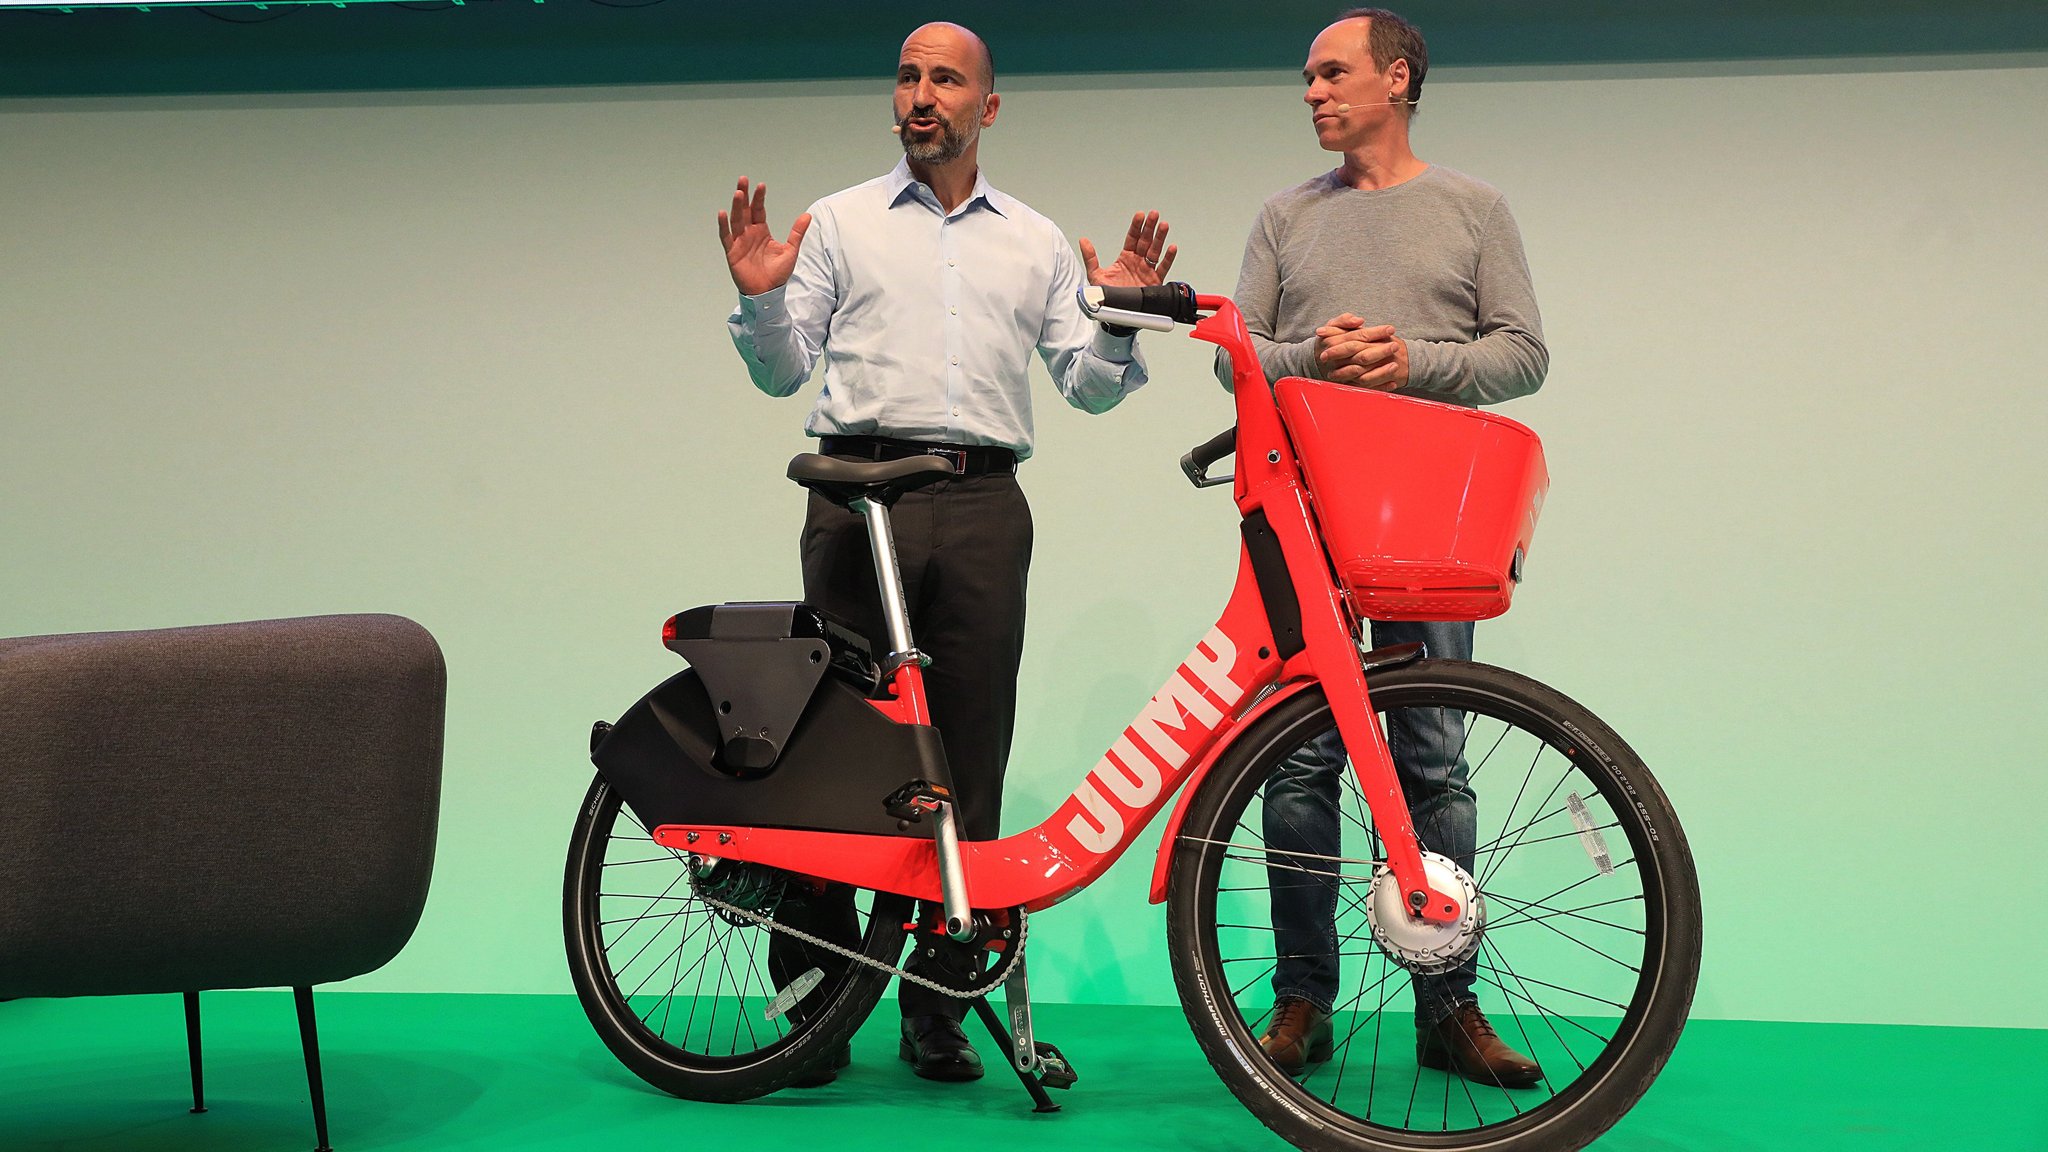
{"type": "Point", "coordinates": [901, 184]}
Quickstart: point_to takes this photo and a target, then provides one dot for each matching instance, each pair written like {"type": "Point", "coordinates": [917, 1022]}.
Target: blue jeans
{"type": "Point", "coordinates": [1302, 815]}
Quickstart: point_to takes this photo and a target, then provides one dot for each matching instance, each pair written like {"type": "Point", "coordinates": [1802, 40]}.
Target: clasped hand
{"type": "Point", "coordinates": [1349, 352]}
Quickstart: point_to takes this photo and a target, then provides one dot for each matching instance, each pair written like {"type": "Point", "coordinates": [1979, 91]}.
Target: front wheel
{"type": "Point", "coordinates": [685, 993]}
{"type": "Point", "coordinates": [1587, 952]}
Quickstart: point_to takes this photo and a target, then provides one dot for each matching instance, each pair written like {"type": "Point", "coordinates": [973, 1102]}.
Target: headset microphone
{"type": "Point", "coordinates": [1389, 100]}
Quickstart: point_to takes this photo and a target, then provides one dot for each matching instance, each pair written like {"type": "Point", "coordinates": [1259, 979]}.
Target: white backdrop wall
{"type": "Point", "coordinates": [462, 357]}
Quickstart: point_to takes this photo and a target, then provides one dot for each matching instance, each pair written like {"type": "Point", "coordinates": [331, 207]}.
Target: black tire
{"type": "Point", "coordinates": [1632, 1009]}
{"type": "Point", "coordinates": [650, 892]}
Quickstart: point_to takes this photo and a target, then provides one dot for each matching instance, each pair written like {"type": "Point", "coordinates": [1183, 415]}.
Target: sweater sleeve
{"type": "Point", "coordinates": [1509, 358]}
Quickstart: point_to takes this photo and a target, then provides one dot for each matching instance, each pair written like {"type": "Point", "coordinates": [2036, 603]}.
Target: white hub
{"type": "Point", "coordinates": [1418, 945]}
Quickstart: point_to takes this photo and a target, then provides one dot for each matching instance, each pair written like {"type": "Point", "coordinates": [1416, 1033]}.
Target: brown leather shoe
{"type": "Point", "coordinates": [1298, 1036]}
{"type": "Point", "coordinates": [1465, 1042]}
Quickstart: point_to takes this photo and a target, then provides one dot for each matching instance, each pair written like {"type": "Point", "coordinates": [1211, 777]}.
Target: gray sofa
{"type": "Point", "coordinates": [232, 806]}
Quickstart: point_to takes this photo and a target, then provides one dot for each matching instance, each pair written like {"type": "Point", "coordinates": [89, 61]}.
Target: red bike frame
{"type": "Point", "coordinates": [1233, 677]}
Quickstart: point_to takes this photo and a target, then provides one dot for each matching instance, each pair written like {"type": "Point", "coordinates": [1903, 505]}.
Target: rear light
{"type": "Point", "coordinates": [668, 630]}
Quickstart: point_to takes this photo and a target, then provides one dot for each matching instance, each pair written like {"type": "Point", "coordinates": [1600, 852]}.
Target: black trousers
{"type": "Point", "coordinates": [964, 549]}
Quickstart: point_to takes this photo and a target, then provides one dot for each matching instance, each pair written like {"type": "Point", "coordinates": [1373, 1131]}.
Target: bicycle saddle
{"type": "Point", "coordinates": [882, 481]}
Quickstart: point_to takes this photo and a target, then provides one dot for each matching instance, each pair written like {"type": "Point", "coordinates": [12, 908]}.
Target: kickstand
{"type": "Point", "coordinates": [1039, 1100]}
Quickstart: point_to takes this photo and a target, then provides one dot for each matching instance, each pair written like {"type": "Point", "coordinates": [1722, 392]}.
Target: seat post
{"type": "Point", "coordinates": [882, 541]}
{"type": "Point", "coordinates": [960, 923]}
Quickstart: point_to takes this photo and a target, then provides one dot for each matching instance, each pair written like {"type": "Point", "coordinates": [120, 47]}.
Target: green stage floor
{"type": "Point", "coordinates": [447, 1072]}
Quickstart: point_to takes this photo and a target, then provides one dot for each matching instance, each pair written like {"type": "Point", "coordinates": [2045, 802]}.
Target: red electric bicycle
{"type": "Point", "coordinates": [790, 762]}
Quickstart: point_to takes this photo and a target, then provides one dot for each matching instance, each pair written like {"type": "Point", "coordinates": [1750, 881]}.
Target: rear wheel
{"type": "Point", "coordinates": [1586, 958]}
{"type": "Point", "coordinates": [679, 990]}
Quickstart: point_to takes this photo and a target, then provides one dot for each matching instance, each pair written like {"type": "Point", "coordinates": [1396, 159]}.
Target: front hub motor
{"type": "Point", "coordinates": [1418, 945]}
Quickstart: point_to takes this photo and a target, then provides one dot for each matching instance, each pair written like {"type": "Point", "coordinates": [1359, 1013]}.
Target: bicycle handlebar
{"type": "Point", "coordinates": [1174, 300]}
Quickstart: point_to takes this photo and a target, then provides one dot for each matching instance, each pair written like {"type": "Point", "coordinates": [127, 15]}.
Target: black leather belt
{"type": "Point", "coordinates": [968, 459]}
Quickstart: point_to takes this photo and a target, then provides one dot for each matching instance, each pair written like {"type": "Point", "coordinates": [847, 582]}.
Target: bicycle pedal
{"type": "Point", "coordinates": [1053, 1069]}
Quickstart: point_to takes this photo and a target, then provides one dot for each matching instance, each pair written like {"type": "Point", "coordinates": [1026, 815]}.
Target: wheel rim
{"type": "Point", "coordinates": [1565, 969]}
{"type": "Point", "coordinates": [681, 980]}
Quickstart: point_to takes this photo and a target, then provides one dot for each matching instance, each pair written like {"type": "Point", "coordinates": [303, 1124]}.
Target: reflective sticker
{"type": "Point", "coordinates": [797, 990]}
{"type": "Point", "coordinates": [1596, 844]}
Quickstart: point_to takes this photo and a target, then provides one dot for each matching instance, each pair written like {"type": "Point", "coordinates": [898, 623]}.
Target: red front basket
{"type": "Point", "coordinates": [1426, 508]}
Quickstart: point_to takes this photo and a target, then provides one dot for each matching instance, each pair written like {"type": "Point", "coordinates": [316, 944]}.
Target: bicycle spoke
{"type": "Point", "coordinates": [1573, 834]}
{"type": "Point", "coordinates": [664, 895]}
{"type": "Point", "coordinates": [697, 995]}
{"type": "Point", "coordinates": [1356, 1026]}
{"type": "Point", "coordinates": [752, 972]}
{"type": "Point", "coordinates": [1379, 1022]}
{"type": "Point", "coordinates": [1527, 1044]}
{"type": "Point", "coordinates": [1555, 987]}
{"type": "Point", "coordinates": [1494, 865]}
{"type": "Point", "coordinates": [1520, 792]}
{"type": "Point", "coordinates": [673, 983]}
{"type": "Point", "coordinates": [1373, 951]}
{"type": "Point", "coordinates": [1350, 782]}
{"type": "Point", "coordinates": [620, 969]}
{"type": "Point", "coordinates": [1528, 919]}
{"type": "Point", "coordinates": [1246, 986]}
{"type": "Point", "coordinates": [1467, 1084]}
{"type": "Point", "coordinates": [669, 1001]}
{"type": "Point", "coordinates": [1548, 1017]}
{"type": "Point", "coordinates": [688, 934]}
{"type": "Point", "coordinates": [631, 920]}
{"type": "Point", "coordinates": [1263, 852]}
{"type": "Point", "coordinates": [1518, 915]}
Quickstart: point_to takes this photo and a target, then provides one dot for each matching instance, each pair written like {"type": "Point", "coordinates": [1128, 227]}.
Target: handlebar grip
{"type": "Point", "coordinates": [1175, 300]}
{"type": "Point", "coordinates": [1196, 462]}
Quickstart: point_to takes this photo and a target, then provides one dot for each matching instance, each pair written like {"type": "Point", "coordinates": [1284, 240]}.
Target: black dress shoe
{"type": "Point", "coordinates": [826, 1071]}
{"type": "Point", "coordinates": [938, 1050]}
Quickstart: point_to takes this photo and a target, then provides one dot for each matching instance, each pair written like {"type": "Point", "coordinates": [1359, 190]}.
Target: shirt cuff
{"type": "Point", "coordinates": [1115, 349]}
{"type": "Point", "coordinates": [766, 306]}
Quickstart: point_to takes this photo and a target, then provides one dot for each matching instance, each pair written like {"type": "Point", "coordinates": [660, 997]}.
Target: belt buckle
{"type": "Point", "coordinates": [957, 455]}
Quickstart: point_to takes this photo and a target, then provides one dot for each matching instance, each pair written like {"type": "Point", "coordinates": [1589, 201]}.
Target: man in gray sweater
{"type": "Point", "coordinates": [1394, 274]}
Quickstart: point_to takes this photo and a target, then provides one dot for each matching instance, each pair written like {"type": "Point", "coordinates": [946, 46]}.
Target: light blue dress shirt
{"type": "Point", "coordinates": [926, 319]}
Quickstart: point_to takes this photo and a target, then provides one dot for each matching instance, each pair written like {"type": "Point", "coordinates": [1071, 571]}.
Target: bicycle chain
{"type": "Point", "coordinates": [774, 925]}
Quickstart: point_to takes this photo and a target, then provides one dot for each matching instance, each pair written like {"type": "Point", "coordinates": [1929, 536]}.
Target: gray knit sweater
{"type": "Point", "coordinates": [1438, 257]}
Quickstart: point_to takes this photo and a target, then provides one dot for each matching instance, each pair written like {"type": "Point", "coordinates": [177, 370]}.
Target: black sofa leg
{"type": "Point", "coordinates": [192, 1042]}
{"type": "Point", "coordinates": [310, 1037]}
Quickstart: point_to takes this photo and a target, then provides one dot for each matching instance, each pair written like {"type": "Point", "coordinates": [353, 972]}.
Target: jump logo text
{"type": "Point", "coordinates": [1156, 746]}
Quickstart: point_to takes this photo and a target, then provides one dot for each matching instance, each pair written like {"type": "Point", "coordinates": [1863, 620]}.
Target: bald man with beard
{"type": "Point", "coordinates": [925, 292]}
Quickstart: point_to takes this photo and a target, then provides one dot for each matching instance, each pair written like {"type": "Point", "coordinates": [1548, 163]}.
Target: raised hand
{"type": "Point", "coordinates": [1350, 352]}
{"type": "Point", "coordinates": [757, 260]}
{"type": "Point", "coordinates": [1144, 260]}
